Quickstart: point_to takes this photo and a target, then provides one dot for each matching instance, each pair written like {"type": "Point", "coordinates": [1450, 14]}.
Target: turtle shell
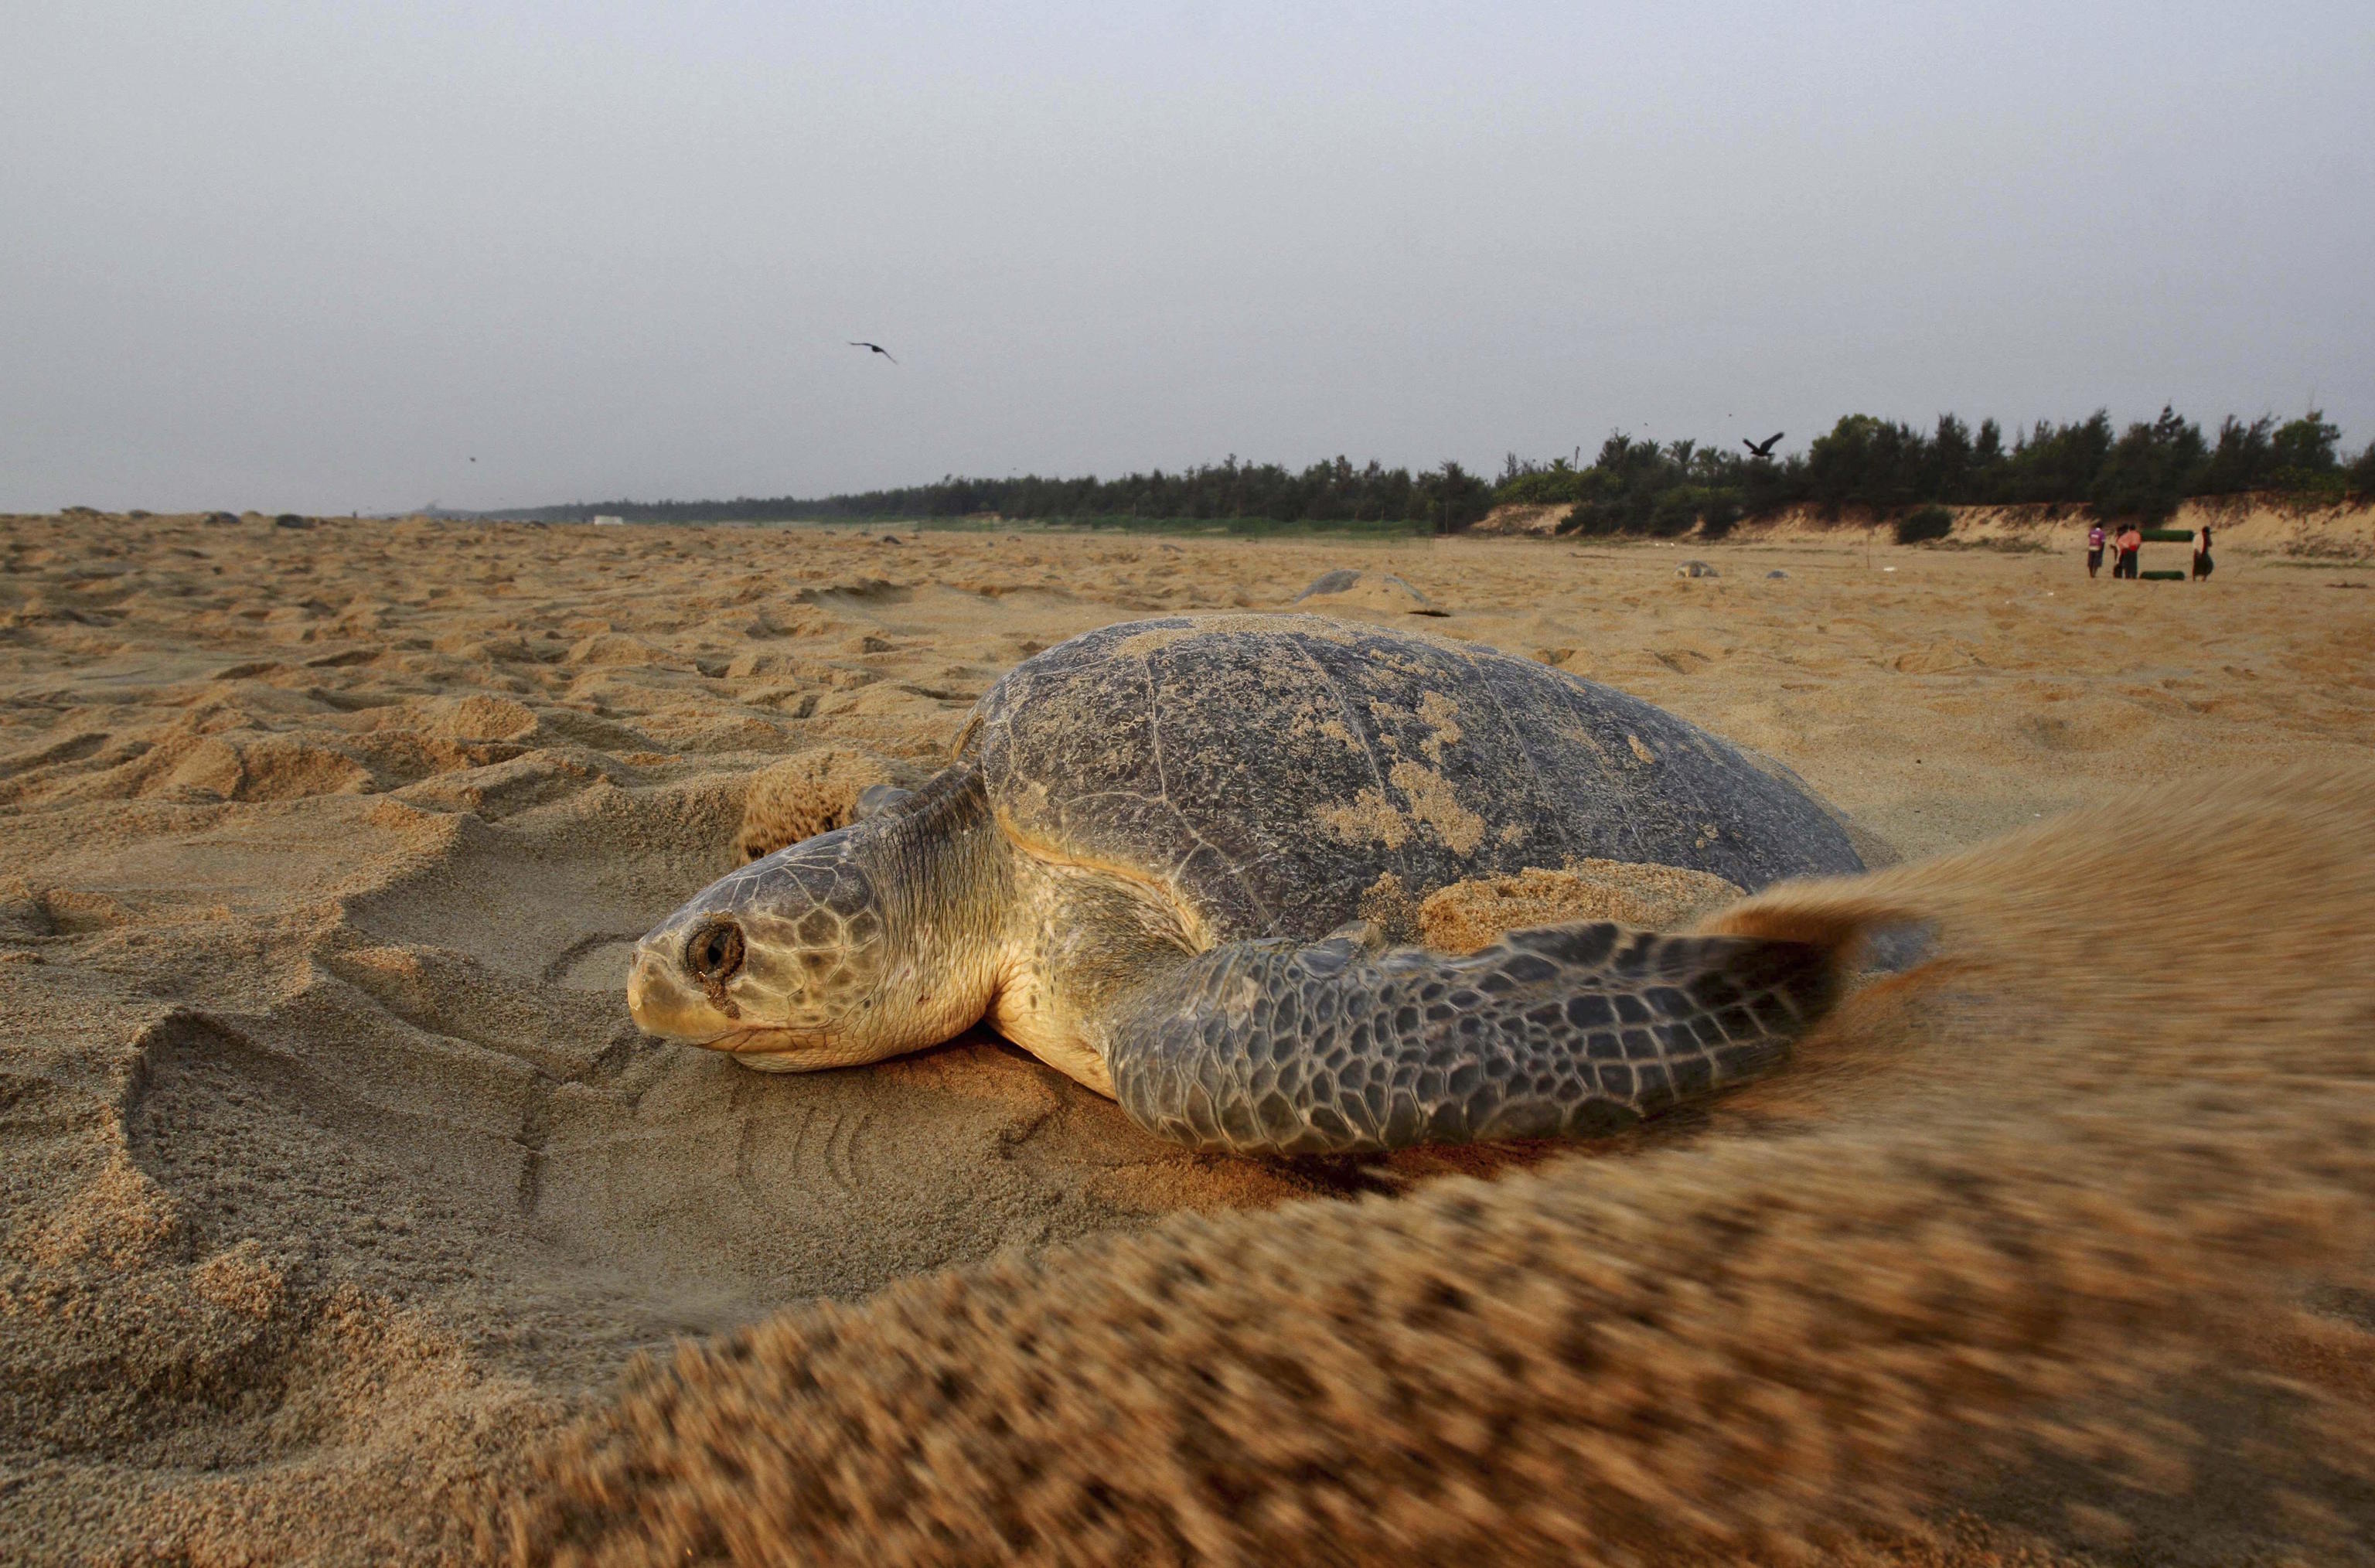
{"type": "Point", "coordinates": [1272, 771]}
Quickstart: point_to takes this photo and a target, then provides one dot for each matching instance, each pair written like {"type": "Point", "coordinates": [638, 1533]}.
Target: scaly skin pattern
{"type": "Point", "coordinates": [1571, 1031]}
{"type": "Point", "coordinates": [856, 945]}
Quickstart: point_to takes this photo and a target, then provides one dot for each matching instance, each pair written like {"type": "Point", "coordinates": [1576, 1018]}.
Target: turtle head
{"type": "Point", "coordinates": [825, 954]}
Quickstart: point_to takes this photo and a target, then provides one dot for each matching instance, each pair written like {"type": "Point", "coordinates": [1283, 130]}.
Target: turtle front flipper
{"type": "Point", "coordinates": [1569, 1031]}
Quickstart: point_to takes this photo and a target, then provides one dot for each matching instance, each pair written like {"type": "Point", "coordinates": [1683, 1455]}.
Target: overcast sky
{"type": "Point", "coordinates": [317, 257]}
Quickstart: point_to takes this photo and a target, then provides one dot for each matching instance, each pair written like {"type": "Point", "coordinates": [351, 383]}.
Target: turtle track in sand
{"type": "Point", "coordinates": [460, 1030]}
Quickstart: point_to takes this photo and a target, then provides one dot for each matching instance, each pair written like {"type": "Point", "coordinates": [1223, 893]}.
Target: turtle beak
{"type": "Point", "coordinates": [662, 1004]}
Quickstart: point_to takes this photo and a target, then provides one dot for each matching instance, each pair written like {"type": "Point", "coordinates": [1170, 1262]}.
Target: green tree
{"type": "Point", "coordinates": [2149, 470]}
{"type": "Point", "coordinates": [2360, 476]}
{"type": "Point", "coordinates": [2304, 449]}
{"type": "Point", "coordinates": [2243, 459]}
{"type": "Point", "coordinates": [1987, 463]}
{"type": "Point", "coordinates": [1946, 474]}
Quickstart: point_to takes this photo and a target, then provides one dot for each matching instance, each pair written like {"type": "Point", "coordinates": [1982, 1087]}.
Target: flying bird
{"type": "Point", "coordinates": [876, 347]}
{"type": "Point", "coordinates": [1763, 448]}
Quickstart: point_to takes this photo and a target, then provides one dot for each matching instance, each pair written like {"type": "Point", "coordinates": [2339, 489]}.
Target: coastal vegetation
{"type": "Point", "coordinates": [1886, 466]}
{"type": "Point", "coordinates": [1635, 486]}
{"type": "Point", "coordinates": [1235, 496]}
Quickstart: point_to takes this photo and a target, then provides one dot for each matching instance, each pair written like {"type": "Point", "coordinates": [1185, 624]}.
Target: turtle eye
{"type": "Point", "coordinates": [714, 952]}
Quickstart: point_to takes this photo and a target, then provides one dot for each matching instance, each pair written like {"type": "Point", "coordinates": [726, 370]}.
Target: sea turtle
{"type": "Point", "coordinates": [1168, 860]}
{"type": "Point", "coordinates": [1382, 591]}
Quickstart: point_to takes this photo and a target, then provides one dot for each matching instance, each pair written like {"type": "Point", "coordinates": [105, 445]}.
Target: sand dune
{"type": "Point", "coordinates": [2317, 530]}
{"type": "Point", "coordinates": [336, 1181]}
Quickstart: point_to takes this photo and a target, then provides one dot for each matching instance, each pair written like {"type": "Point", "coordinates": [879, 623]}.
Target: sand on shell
{"type": "Point", "coordinates": [1469, 916]}
{"type": "Point", "coordinates": [336, 1181]}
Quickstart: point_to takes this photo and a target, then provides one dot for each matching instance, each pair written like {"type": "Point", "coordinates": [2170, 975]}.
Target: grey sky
{"type": "Point", "coordinates": [317, 257]}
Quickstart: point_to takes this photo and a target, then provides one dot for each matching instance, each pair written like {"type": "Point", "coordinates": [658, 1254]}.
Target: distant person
{"type": "Point", "coordinates": [2094, 550]}
{"type": "Point", "coordinates": [2202, 564]}
{"type": "Point", "coordinates": [2130, 541]}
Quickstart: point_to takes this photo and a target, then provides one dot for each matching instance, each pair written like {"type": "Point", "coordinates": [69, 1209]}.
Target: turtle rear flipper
{"type": "Point", "coordinates": [1567, 1031]}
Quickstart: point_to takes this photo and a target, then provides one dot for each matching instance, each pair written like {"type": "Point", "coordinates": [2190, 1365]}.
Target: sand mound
{"type": "Point", "coordinates": [2333, 530]}
{"type": "Point", "coordinates": [484, 718]}
{"type": "Point", "coordinates": [813, 792]}
{"type": "Point", "coordinates": [2009, 1185]}
{"type": "Point", "coordinates": [1346, 591]}
{"type": "Point", "coordinates": [1525, 519]}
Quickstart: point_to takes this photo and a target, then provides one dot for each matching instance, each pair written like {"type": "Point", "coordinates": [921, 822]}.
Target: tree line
{"type": "Point", "coordinates": [2147, 471]}
{"type": "Point", "coordinates": [1636, 485]}
{"type": "Point", "coordinates": [1443, 499]}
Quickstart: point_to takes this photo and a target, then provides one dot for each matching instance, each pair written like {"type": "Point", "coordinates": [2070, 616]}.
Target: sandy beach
{"type": "Point", "coordinates": [340, 1195]}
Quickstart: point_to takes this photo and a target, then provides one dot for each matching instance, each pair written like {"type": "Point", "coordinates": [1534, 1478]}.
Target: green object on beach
{"type": "Point", "coordinates": [2162, 576]}
{"type": "Point", "coordinates": [2168, 536]}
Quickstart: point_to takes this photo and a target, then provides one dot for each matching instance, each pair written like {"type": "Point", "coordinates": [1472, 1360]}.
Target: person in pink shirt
{"type": "Point", "coordinates": [2094, 550]}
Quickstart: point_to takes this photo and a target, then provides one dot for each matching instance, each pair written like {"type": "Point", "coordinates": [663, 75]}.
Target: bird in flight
{"type": "Point", "coordinates": [1763, 448]}
{"type": "Point", "coordinates": [876, 347]}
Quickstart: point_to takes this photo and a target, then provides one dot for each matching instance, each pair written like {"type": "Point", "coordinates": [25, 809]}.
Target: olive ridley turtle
{"type": "Point", "coordinates": [1170, 858]}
